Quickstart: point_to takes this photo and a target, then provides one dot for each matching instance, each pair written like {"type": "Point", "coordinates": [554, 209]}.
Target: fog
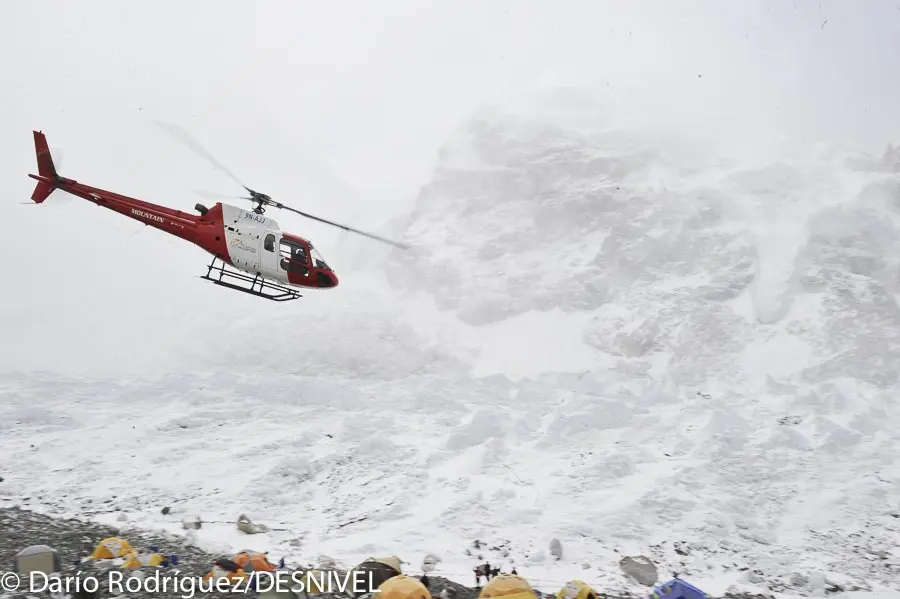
{"type": "Point", "coordinates": [339, 109]}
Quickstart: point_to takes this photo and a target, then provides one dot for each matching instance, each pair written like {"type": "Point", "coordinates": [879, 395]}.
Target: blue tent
{"type": "Point", "coordinates": [677, 589]}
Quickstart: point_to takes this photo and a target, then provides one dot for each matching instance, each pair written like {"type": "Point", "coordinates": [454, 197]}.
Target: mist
{"type": "Point", "coordinates": [340, 109]}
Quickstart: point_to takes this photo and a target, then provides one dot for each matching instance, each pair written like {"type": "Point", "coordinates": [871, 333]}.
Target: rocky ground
{"type": "Point", "coordinates": [75, 540]}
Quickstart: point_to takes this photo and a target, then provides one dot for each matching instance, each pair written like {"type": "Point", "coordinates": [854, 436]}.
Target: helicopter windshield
{"type": "Point", "coordinates": [318, 259]}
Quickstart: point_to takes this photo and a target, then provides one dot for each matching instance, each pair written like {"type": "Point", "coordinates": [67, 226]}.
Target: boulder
{"type": "Point", "coordinates": [556, 549]}
{"type": "Point", "coordinates": [37, 558]}
{"type": "Point", "coordinates": [640, 569]}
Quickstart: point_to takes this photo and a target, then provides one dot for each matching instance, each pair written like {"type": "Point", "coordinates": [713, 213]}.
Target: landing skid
{"type": "Point", "coordinates": [258, 285]}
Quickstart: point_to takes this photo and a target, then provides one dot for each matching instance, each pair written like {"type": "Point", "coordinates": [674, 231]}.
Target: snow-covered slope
{"type": "Point", "coordinates": [781, 483]}
{"type": "Point", "coordinates": [681, 264]}
{"type": "Point", "coordinates": [610, 337]}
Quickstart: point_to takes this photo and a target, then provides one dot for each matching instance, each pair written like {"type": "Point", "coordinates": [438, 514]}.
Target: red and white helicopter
{"type": "Point", "coordinates": [266, 262]}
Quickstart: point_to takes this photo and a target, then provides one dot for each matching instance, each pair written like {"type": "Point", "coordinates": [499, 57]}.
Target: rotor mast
{"type": "Point", "coordinates": [260, 199]}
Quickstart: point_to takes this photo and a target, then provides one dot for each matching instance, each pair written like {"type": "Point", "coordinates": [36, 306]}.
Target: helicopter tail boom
{"type": "Point", "coordinates": [46, 169]}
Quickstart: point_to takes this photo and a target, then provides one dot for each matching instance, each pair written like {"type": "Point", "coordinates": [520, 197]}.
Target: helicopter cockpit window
{"type": "Point", "coordinates": [293, 257]}
{"type": "Point", "coordinates": [318, 259]}
{"type": "Point", "coordinates": [269, 243]}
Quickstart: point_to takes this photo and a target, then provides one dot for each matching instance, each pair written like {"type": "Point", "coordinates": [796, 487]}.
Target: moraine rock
{"type": "Point", "coordinates": [640, 569]}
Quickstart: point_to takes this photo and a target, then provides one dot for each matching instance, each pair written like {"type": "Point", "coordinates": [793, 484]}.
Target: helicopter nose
{"type": "Point", "coordinates": [327, 279]}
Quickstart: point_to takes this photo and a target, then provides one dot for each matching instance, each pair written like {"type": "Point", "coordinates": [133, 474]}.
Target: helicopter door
{"type": "Point", "coordinates": [294, 260]}
{"type": "Point", "coordinates": [268, 257]}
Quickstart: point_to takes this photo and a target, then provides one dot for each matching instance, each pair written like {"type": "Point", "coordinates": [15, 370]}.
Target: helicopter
{"type": "Point", "coordinates": [250, 252]}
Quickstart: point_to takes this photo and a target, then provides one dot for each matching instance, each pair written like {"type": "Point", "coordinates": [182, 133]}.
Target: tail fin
{"type": "Point", "coordinates": [46, 169]}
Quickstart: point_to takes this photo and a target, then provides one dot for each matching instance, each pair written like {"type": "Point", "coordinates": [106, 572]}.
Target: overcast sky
{"type": "Point", "coordinates": [339, 107]}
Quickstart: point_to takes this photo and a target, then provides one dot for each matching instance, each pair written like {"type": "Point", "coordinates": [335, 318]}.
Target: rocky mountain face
{"type": "Point", "coordinates": [681, 262]}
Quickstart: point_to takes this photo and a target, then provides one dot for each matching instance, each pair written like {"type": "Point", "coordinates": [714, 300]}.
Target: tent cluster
{"type": "Point", "coordinates": [119, 548]}
{"type": "Point", "coordinates": [511, 586]}
{"type": "Point", "coordinates": [384, 575]}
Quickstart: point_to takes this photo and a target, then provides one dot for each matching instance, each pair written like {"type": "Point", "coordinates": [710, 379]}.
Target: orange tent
{"type": "Point", "coordinates": [253, 561]}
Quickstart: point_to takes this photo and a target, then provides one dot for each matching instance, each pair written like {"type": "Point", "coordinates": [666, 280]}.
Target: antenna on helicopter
{"type": "Point", "coordinates": [260, 199]}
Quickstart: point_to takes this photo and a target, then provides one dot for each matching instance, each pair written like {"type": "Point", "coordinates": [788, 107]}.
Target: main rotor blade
{"type": "Point", "coordinates": [397, 244]}
{"type": "Point", "coordinates": [184, 137]}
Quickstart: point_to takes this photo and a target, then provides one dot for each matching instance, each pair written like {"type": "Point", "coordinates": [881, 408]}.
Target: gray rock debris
{"type": "Point", "coordinates": [640, 569]}
{"type": "Point", "coordinates": [74, 540]}
{"type": "Point", "coordinates": [556, 549]}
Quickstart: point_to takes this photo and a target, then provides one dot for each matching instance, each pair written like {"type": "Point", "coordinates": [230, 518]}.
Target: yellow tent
{"type": "Point", "coordinates": [111, 548]}
{"type": "Point", "coordinates": [402, 587]}
{"type": "Point", "coordinates": [313, 580]}
{"type": "Point", "coordinates": [576, 589]}
{"type": "Point", "coordinates": [508, 586]}
{"type": "Point", "coordinates": [143, 560]}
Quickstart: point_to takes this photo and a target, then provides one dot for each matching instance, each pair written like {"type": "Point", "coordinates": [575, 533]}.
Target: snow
{"type": "Point", "coordinates": [599, 338]}
{"type": "Point", "coordinates": [521, 346]}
